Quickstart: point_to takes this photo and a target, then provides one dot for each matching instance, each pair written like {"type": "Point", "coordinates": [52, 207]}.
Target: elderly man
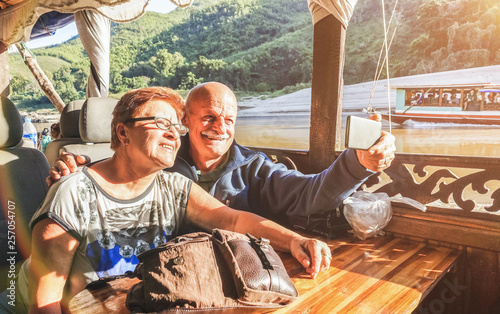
{"type": "Point", "coordinates": [247, 180]}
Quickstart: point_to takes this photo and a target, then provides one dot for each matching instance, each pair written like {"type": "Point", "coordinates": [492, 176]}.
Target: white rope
{"type": "Point", "coordinates": [378, 71]}
{"type": "Point", "coordinates": [387, 60]}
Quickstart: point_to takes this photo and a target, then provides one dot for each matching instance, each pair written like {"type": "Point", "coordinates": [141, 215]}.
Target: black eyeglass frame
{"type": "Point", "coordinates": [181, 129]}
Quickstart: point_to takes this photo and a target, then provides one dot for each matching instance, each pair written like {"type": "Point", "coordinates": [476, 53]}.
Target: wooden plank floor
{"type": "Point", "coordinates": [378, 275]}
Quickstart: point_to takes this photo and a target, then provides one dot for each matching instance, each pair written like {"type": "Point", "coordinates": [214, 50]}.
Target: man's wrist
{"type": "Point", "coordinates": [355, 165]}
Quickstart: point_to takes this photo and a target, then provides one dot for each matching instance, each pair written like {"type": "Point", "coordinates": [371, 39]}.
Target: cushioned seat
{"type": "Point", "coordinates": [22, 189]}
{"type": "Point", "coordinates": [86, 129]}
{"type": "Point", "coordinates": [95, 129]}
{"type": "Point", "coordinates": [70, 134]}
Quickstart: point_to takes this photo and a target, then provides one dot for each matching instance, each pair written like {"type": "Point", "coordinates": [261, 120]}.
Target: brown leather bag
{"type": "Point", "coordinates": [219, 271]}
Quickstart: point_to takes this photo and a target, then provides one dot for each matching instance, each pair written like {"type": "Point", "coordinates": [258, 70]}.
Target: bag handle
{"type": "Point", "coordinates": [258, 245]}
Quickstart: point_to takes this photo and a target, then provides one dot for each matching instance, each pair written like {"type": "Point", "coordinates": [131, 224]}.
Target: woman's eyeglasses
{"type": "Point", "coordinates": [163, 123]}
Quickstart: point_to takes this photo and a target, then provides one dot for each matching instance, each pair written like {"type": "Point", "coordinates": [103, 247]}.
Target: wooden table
{"type": "Point", "coordinates": [386, 275]}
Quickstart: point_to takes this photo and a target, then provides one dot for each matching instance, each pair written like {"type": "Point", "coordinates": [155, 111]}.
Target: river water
{"type": "Point", "coordinates": [291, 130]}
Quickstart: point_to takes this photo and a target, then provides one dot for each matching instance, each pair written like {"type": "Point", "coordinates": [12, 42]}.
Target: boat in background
{"type": "Point", "coordinates": [461, 104]}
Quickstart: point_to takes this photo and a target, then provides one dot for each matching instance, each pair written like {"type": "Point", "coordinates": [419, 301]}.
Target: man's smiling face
{"type": "Point", "coordinates": [210, 116]}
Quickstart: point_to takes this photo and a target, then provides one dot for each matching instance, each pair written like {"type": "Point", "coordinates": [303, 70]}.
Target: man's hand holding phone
{"type": "Point", "coordinates": [380, 155]}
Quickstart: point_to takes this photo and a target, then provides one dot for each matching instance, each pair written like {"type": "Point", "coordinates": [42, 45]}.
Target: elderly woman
{"type": "Point", "coordinates": [95, 222]}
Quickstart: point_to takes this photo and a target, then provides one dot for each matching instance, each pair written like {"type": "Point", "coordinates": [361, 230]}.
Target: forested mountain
{"type": "Point", "coordinates": [260, 45]}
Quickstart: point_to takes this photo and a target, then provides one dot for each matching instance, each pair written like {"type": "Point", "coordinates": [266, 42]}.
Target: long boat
{"type": "Point", "coordinates": [394, 273]}
{"type": "Point", "coordinates": [460, 104]}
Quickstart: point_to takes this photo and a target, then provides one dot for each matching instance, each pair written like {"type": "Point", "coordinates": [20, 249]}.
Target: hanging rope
{"type": "Point", "coordinates": [378, 71]}
{"type": "Point", "coordinates": [385, 47]}
{"type": "Point", "coordinates": [387, 66]}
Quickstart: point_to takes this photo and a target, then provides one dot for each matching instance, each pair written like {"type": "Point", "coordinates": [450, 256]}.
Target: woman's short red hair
{"type": "Point", "coordinates": [132, 104]}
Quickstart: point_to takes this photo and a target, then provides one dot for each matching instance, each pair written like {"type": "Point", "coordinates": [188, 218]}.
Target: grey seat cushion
{"type": "Point", "coordinates": [22, 185]}
{"type": "Point", "coordinates": [70, 117]}
{"type": "Point", "coordinates": [11, 126]}
{"type": "Point", "coordinates": [55, 147]}
{"type": "Point", "coordinates": [95, 151]}
{"type": "Point", "coordinates": [95, 119]}
{"type": "Point", "coordinates": [68, 123]}
{"type": "Point", "coordinates": [94, 129]}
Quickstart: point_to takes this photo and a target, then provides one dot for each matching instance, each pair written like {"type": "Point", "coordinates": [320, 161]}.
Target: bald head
{"type": "Point", "coordinates": [211, 92]}
{"type": "Point", "coordinates": [210, 116]}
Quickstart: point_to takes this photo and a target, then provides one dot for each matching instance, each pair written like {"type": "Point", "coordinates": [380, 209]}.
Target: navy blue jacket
{"type": "Point", "coordinates": [250, 181]}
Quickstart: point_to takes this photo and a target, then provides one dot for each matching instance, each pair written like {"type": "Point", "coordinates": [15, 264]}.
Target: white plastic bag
{"type": "Point", "coordinates": [368, 213]}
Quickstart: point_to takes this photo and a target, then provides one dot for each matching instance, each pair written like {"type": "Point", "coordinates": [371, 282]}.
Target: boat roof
{"type": "Point", "coordinates": [449, 86]}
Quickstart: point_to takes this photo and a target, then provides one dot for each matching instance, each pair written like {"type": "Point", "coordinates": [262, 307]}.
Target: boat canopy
{"type": "Point", "coordinates": [340, 9]}
{"type": "Point", "coordinates": [29, 19]}
{"type": "Point", "coordinates": [48, 23]}
{"type": "Point", "coordinates": [18, 20]}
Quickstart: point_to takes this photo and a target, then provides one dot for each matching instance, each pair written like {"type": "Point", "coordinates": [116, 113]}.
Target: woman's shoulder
{"type": "Point", "coordinates": [173, 178]}
{"type": "Point", "coordinates": [72, 181]}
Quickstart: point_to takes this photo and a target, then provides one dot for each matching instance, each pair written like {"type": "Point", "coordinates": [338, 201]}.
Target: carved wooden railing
{"type": "Point", "coordinates": [458, 185]}
{"type": "Point", "coordinates": [468, 186]}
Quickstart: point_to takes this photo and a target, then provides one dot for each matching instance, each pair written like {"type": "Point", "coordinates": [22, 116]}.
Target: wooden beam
{"type": "Point", "coordinates": [4, 70]}
{"type": "Point", "coordinates": [445, 228]}
{"type": "Point", "coordinates": [326, 98]}
{"type": "Point", "coordinates": [41, 78]}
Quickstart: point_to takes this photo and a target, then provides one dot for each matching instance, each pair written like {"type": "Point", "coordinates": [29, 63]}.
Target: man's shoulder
{"type": "Point", "coordinates": [246, 152]}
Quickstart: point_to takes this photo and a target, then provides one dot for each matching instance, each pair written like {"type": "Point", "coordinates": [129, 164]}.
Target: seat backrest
{"type": "Point", "coordinates": [86, 129]}
{"type": "Point", "coordinates": [68, 123]}
{"type": "Point", "coordinates": [95, 129]}
{"type": "Point", "coordinates": [22, 188]}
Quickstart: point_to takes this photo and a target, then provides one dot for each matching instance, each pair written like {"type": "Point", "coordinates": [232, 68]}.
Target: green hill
{"type": "Point", "coordinates": [49, 64]}
{"type": "Point", "coordinates": [264, 46]}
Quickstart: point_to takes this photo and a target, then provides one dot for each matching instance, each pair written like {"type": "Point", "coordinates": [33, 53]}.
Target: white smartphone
{"type": "Point", "coordinates": [362, 133]}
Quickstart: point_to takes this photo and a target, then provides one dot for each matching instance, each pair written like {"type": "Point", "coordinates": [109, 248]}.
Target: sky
{"type": "Point", "coordinates": [65, 33]}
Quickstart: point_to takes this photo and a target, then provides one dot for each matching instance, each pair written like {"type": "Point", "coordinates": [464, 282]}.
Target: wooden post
{"type": "Point", "coordinates": [41, 78]}
{"type": "Point", "coordinates": [4, 70]}
{"type": "Point", "coordinates": [326, 98]}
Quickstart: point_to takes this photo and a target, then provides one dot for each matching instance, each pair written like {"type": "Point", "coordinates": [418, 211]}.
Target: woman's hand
{"type": "Point", "coordinates": [313, 254]}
